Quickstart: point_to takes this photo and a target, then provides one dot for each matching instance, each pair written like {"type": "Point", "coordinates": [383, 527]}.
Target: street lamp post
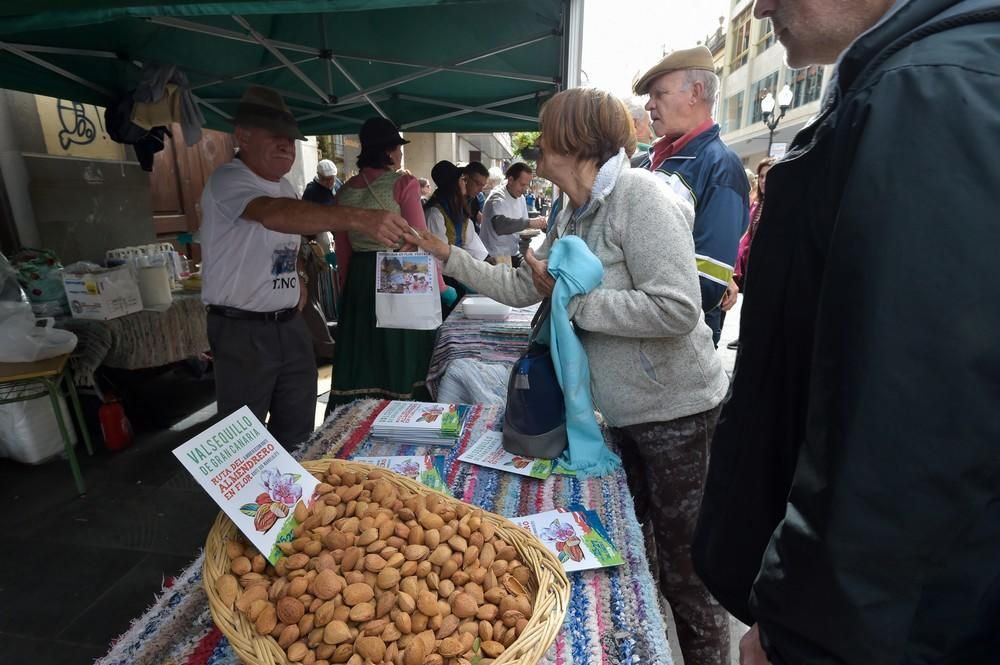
{"type": "Point", "coordinates": [767, 110]}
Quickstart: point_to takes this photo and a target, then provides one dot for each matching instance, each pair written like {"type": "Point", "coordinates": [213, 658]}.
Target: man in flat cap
{"type": "Point", "coordinates": [252, 223]}
{"type": "Point", "coordinates": [693, 160]}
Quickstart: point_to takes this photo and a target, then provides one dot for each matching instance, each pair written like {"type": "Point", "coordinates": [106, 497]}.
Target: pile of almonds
{"type": "Point", "coordinates": [377, 574]}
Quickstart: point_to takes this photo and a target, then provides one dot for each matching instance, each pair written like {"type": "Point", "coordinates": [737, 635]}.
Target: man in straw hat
{"type": "Point", "coordinates": [694, 161]}
{"type": "Point", "coordinates": [251, 226]}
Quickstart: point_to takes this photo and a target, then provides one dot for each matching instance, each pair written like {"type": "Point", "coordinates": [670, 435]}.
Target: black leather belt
{"type": "Point", "coordinates": [280, 316]}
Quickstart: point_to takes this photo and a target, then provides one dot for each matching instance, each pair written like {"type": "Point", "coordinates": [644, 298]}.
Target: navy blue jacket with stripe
{"type": "Point", "coordinates": [711, 177]}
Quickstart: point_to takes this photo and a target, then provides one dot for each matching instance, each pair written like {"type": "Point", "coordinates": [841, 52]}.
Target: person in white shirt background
{"type": "Point", "coordinates": [506, 214]}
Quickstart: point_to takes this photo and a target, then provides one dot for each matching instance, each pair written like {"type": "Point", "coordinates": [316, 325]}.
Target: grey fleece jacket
{"type": "Point", "coordinates": [650, 352]}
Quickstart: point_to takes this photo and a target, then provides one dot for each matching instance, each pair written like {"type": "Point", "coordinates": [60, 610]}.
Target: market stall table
{"type": "Point", "coordinates": [493, 342]}
{"type": "Point", "coordinates": [614, 613]}
{"type": "Point", "coordinates": [139, 341]}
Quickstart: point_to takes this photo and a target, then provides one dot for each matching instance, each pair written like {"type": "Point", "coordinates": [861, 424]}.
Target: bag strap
{"type": "Point", "coordinates": [539, 320]}
{"type": "Point", "coordinates": [372, 192]}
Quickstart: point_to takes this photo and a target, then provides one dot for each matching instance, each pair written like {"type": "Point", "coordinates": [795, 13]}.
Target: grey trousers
{"type": "Point", "coordinates": [270, 367]}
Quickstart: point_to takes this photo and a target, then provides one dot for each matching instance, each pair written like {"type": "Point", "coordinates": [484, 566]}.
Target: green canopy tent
{"type": "Point", "coordinates": [428, 65]}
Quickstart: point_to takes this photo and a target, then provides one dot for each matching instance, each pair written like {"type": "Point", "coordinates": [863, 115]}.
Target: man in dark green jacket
{"type": "Point", "coordinates": [852, 510]}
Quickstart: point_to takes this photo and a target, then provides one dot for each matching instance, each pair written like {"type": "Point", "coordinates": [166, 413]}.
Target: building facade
{"type": "Point", "coordinates": [427, 149]}
{"type": "Point", "coordinates": [753, 66]}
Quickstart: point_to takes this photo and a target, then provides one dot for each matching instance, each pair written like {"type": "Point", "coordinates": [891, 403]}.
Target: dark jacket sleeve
{"type": "Point", "coordinates": [900, 460]}
{"type": "Point", "coordinates": [506, 225]}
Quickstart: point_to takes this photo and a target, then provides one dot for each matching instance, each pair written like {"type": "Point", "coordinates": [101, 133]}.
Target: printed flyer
{"type": "Point", "coordinates": [575, 535]}
{"type": "Point", "coordinates": [488, 451]}
{"type": "Point", "coordinates": [252, 478]}
{"type": "Point", "coordinates": [425, 469]}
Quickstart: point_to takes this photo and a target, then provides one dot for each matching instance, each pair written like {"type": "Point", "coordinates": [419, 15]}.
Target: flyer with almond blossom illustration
{"type": "Point", "coordinates": [488, 451]}
{"type": "Point", "coordinates": [575, 535]}
{"type": "Point", "coordinates": [252, 478]}
{"type": "Point", "coordinates": [425, 469]}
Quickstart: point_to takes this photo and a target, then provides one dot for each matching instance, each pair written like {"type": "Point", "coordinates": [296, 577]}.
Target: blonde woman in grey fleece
{"type": "Point", "coordinates": [655, 375]}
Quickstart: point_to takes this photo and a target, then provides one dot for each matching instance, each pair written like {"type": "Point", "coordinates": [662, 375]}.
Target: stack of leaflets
{"type": "Point", "coordinates": [421, 423]}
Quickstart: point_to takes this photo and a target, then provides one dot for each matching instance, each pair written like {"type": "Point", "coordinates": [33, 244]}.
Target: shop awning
{"type": "Point", "coordinates": [428, 65]}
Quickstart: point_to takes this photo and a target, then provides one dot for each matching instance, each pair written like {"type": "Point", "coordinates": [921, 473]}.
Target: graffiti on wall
{"type": "Point", "coordinates": [77, 128]}
{"type": "Point", "coordinates": [74, 129]}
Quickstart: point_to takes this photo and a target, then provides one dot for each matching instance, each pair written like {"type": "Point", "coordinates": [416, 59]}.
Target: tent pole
{"type": "Point", "coordinates": [248, 74]}
{"type": "Point", "coordinates": [326, 47]}
{"type": "Point", "coordinates": [263, 41]}
{"type": "Point", "coordinates": [436, 69]}
{"type": "Point", "coordinates": [573, 37]}
{"type": "Point", "coordinates": [213, 107]}
{"type": "Point", "coordinates": [58, 50]}
{"type": "Point", "coordinates": [316, 114]}
{"type": "Point", "coordinates": [460, 70]}
{"type": "Point", "coordinates": [360, 94]}
{"type": "Point", "coordinates": [58, 70]}
{"type": "Point", "coordinates": [485, 108]}
{"type": "Point", "coordinates": [193, 26]}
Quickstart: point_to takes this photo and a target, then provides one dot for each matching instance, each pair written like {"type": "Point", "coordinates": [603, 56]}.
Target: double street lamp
{"type": "Point", "coordinates": [771, 119]}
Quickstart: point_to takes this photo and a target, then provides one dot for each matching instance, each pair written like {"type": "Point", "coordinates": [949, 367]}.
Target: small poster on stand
{"type": "Point", "coordinates": [252, 478]}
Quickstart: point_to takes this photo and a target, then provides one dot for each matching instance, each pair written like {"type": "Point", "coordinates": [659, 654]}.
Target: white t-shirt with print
{"type": "Point", "coordinates": [244, 264]}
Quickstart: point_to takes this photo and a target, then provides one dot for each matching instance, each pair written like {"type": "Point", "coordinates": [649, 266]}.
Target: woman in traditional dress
{"type": "Point", "coordinates": [369, 361]}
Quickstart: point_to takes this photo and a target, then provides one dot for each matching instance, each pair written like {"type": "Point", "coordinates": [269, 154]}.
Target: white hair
{"type": "Point", "coordinates": [496, 176]}
{"type": "Point", "coordinates": [709, 81]}
{"type": "Point", "coordinates": [636, 108]}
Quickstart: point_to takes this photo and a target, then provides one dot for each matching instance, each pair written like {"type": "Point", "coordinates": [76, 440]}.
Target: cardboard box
{"type": "Point", "coordinates": [102, 294]}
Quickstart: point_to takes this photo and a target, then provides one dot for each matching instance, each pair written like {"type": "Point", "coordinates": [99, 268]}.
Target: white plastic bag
{"type": "Point", "coordinates": [22, 338]}
{"type": "Point", "coordinates": [29, 432]}
{"type": "Point", "coordinates": [406, 291]}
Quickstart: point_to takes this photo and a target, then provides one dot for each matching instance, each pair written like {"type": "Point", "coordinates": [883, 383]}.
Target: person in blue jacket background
{"type": "Point", "coordinates": [692, 159]}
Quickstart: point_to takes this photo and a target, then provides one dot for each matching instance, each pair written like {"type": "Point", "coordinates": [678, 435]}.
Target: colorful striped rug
{"type": "Point", "coordinates": [614, 614]}
{"type": "Point", "coordinates": [499, 342]}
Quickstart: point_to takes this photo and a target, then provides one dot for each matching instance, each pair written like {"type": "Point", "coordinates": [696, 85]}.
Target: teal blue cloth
{"type": "Point", "coordinates": [577, 271]}
{"type": "Point", "coordinates": [449, 296]}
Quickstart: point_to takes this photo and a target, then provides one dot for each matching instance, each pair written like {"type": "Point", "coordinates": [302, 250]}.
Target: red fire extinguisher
{"type": "Point", "coordinates": [115, 427]}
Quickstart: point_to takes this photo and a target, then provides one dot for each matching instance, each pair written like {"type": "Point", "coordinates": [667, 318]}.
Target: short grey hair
{"type": "Point", "coordinates": [496, 177]}
{"type": "Point", "coordinates": [636, 108]}
{"type": "Point", "coordinates": [709, 80]}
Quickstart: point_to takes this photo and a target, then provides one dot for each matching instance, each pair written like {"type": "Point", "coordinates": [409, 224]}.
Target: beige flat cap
{"type": "Point", "coordinates": [698, 57]}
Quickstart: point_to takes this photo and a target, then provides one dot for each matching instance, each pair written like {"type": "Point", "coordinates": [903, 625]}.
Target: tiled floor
{"type": "Point", "coordinates": [76, 570]}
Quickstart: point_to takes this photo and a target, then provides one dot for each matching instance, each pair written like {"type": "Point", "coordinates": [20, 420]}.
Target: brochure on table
{"type": "Point", "coordinates": [575, 535]}
{"type": "Point", "coordinates": [252, 478]}
{"type": "Point", "coordinates": [425, 469]}
{"type": "Point", "coordinates": [488, 451]}
{"type": "Point", "coordinates": [428, 423]}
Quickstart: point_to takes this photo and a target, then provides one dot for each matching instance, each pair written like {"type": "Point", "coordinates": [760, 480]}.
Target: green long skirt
{"type": "Point", "coordinates": [373, 362]}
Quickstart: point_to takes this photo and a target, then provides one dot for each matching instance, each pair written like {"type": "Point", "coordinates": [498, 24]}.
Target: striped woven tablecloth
{"type": "Point", "coordinates": [141, 340]}
{"type": "Point", "coordinates": [614, 614]}
{"type": "Point", "coordinates": [498, 342]}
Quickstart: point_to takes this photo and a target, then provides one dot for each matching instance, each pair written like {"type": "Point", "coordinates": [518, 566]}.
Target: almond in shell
{"type": "Point", "coordinates": [228, 589]}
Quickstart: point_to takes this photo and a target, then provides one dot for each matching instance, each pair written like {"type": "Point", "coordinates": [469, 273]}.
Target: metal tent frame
{"type": "Point", "coordinates": [341, 102]}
